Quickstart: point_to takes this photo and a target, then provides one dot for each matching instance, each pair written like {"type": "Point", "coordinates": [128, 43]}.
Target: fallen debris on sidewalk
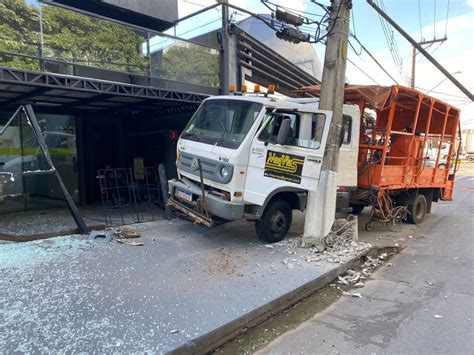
{"type": "Point", "coordinates": [129, 242]}
{"type": "Point", "coordinates": [127, 233]}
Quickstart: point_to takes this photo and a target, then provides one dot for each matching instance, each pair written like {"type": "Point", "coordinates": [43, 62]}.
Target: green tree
{"type": "Point", "coordinates": [69, 36]}
{"type": "Point", "coordinates": [191, 64]}
{"type": "Point", "coordinates": [86, 40]}
{"type": "Point", "coordinates": [19, 33]}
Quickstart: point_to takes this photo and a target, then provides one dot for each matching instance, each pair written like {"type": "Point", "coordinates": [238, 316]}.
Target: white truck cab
{"type": "Point", "coordinates": [256, 158]}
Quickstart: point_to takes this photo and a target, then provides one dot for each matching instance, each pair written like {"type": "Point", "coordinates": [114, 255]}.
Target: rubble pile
{"type": "Point", "coordinates": [313, 255]}
{"type": "Point", "coordinates": [357, 278]}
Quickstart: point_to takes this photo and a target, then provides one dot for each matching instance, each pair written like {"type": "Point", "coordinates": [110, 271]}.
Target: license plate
{"type": "Point", "coordinates": [185, 195]}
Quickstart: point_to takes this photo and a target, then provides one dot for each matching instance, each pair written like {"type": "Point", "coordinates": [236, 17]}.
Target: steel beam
{"type": "Point", "coordinates": [73, 83]}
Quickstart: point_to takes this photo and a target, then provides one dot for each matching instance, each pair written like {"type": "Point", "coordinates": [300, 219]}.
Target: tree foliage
{"type": "Point", "coordinates": [190, 63]}
{"type": "Point", "coordinates": [19, 33]}
{"type": "Point", "coordinates": [80, 39]}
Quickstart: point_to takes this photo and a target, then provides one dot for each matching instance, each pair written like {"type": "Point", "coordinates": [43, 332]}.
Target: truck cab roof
{"type": "Point", "coordinates": [300, 104]}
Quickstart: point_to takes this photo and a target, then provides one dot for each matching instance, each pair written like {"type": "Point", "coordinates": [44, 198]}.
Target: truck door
{"type": "Point", "coordinates": [295, 165]}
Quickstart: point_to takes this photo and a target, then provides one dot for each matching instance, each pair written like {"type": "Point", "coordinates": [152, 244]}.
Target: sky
{"type": "Point", "coordinates": [423, 20]}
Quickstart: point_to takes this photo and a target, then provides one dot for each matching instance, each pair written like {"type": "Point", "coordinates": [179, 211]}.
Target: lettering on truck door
{"type": "Point", "coordinates": [297, 164]}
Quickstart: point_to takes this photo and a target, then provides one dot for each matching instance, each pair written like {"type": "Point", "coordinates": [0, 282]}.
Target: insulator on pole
{"type": "Point", "coordinates": [292, 35]}
{"type": "Point", "coordinates": [289, 18]}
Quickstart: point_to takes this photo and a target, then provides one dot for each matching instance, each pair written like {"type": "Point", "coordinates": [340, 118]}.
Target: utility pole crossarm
{"type": "Point", "coordinates": [413, 59]}
{"type": "Point", "coordinates": [422, 50]}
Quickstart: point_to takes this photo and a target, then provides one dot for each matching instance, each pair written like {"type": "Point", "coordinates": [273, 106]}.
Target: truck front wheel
{"type": "Point", "coordinates": [275, 221]}
{"type": "Point", "coordinates": [417, 211]}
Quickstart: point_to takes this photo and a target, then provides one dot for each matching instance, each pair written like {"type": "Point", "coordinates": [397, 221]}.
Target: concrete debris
{"type": "Point", "coordinates": [437, 316]}
{"type": "Point", "coordinates": [101, 236]}
{"type": "Point", "coordinates": [356, 294]}
{"type": "Point", "coordinates": [410, 237]}
{"type": "Point", "coordinates": [383, 256]}
{"type": "Point", "coordinates": [174, 331]}
{"type": "Point", "coordinates": [316, 257]}
{"type": "Point", "coordinates": [359, 284]}
{"type": "Point", "coordinates": [343, 233]}
{"type": "Point", "coordinates": [351, 278]}
{"type": "Point", "coordinates": [429, 283]}
{"type": "Point", "coordinates": [342, 280]}
{"type": "Point", "coordinates": [269, 246]}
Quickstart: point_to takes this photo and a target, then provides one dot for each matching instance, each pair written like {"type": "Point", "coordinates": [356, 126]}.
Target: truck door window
{"type": "Point", "coordinates": [270, 132]}
{"type": "Point", "coordinates": [297, 138]}
{"type": "Point", "coordinates": [347, 126]}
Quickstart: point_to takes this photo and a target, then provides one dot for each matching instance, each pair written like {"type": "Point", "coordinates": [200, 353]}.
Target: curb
{"type": "Point", "coordinates": [216, 338]}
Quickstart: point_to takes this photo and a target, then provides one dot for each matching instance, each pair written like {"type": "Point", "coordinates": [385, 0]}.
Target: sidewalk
{"type": "Point", "coordinates": [188, 287]}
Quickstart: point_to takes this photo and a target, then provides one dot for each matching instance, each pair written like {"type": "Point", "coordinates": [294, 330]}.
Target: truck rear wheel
{"type": "Point", "coordinates": [417, 211]}
{"type": "Point", "coordinates": [356, 208]}
{"type": "Point", "coordinates": [275, 221]}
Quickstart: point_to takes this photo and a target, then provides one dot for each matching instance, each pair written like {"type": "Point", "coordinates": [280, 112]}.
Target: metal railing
{"type": "Point", "coordinates": [130, 196]}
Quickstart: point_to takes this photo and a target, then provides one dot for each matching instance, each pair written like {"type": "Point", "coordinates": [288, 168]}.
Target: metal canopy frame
{"type": "Point", "coordinates": [80, 91]}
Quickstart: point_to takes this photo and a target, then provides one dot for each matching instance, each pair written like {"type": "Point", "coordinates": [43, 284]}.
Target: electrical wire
{"type": "Point", "coordinates": [314, 34]}
{"type": "Point", "coordinates": [419, 17]}
{"type": "Point", "coordinates": [363, 72]}
{"type": "Point", "coordinates": [390, 38]}
{"type": "Point", "coordinates": [354, 50]}
{"type": "Point", "coordinates": [447, 16]}
{"type": "Point", "coordinates": [353, 21]}
{"type": "Point", "coordinates": [291, 9]}
{"type": "Point", "coordinates": [374, 59]}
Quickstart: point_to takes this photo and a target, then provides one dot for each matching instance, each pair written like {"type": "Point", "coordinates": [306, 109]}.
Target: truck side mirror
{"type": "Point", "coordinates": [284, 131]}
{"type": "Point", "coordinates": [341, 136]}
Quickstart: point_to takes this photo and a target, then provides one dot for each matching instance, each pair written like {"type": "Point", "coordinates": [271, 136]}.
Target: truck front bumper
{"type": "Point", "coordinates": [215, 205]}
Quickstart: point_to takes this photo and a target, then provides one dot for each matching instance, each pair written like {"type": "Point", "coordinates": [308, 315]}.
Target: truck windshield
{"type": "Point", "coordinates": [222, 122]}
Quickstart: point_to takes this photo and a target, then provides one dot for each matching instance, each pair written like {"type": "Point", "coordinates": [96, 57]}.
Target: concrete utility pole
{"type": "Point", "coordinates": [321, 205]}
{"type": "Point", "coordinates": [423, 51]}
{"type": "Point", "coordinates": [413, 58]}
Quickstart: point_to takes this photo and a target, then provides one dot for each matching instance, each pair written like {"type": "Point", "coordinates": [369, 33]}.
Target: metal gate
{"type": "Point", "coordinates": [130, 197]}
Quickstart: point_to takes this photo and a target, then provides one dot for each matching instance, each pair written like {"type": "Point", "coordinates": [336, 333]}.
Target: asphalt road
{"type": "Point", "coordinates": [422, 304]}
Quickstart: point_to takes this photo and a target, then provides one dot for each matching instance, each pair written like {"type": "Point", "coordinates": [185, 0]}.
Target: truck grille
{"type": "Point", "coordinates": [210, 168]}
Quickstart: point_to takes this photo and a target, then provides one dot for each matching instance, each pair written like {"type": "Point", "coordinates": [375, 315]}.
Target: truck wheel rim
{"type": "Point", "coordinates": [419, 211]}
{"type": "Point", "coordinates": [277, 222]}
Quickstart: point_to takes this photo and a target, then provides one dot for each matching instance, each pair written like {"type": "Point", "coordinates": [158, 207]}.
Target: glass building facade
{"type": "Point", "coordinates": [85, 131]}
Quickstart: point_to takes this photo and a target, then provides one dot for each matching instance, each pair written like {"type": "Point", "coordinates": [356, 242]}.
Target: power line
{"type": "Point", "coordinates": [288, 23]}
{"type": "Point", "coordinates": [367, 75]}
{"type": "Point", "coordinates": [419, 16]}
{"type": "Point", "coordinates": [354, 50]}
{"type": "Point", "coordinates": [442, 93]}
{"type": "Point", "coordinates": [292, 9]}
{"type": "Point", "coordinates": [374, 59]}
{"type": "Point", "coordinates": [447, 16]}
{"type": "Point", "coordinates": [353, 22]}
{"type": "Point", "coordinates": [392, 44]}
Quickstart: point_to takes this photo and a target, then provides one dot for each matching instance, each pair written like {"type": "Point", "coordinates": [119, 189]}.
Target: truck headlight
{"type": "Point", "coordinates": [224, 172]}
